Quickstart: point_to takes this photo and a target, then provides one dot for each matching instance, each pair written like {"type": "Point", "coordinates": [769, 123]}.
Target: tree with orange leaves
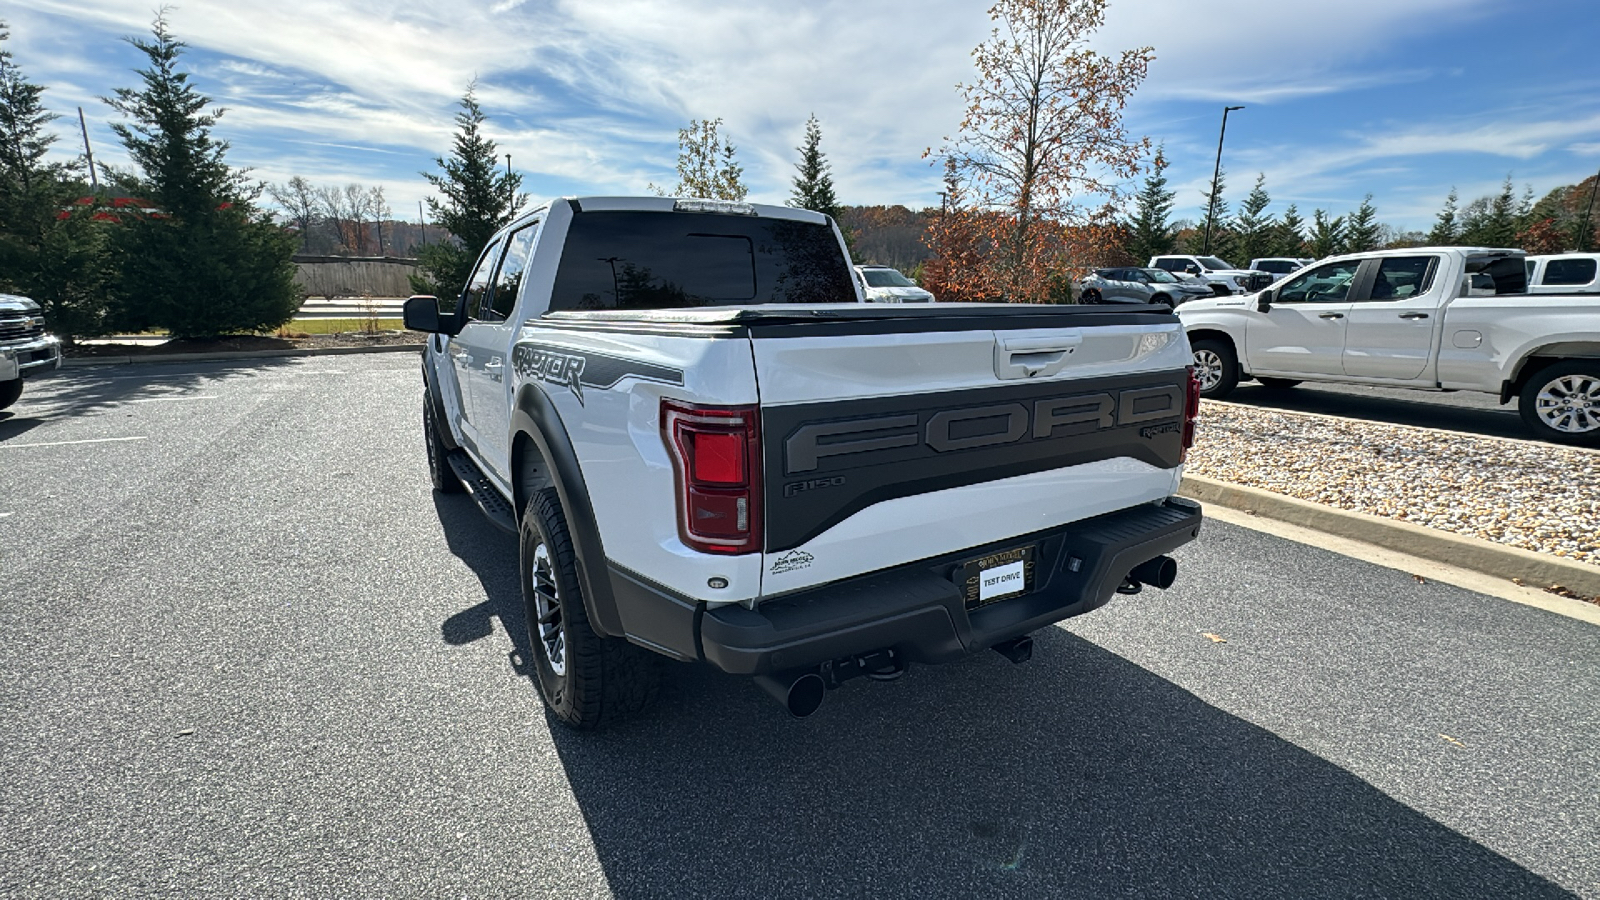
{"type": "Point", "coordinates": [1043, 147]}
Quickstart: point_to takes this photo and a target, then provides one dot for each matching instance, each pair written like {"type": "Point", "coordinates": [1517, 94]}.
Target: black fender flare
{"type": "Point", "coordinates": [436, 401]}
{"type": "Point", "coordinates": [535, 416]}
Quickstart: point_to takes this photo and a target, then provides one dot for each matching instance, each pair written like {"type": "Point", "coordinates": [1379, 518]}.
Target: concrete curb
{"type": "Point", "coordinates": [1475, 554]}
{"type": "Point", "coordinates": [233, 354]}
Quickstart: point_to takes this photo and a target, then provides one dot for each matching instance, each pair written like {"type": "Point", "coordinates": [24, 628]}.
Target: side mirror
{"type": "Point", "coordinates": [421, 313]}
{"type": "Point", "coordinates": [1264, 301]}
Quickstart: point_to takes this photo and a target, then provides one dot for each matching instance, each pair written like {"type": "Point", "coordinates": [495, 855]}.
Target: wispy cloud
{"type": "Point", "coordinates": [588, 96]}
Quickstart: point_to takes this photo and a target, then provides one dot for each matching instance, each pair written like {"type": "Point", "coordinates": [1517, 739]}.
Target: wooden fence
{"type": "Point", "coordinates": [354, 276]}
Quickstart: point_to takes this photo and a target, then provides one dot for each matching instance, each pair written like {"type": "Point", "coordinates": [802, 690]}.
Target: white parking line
{"type": "Point", "coordinates": [177, 397]}
{"type": "Point", "coordinates": [5, 446]}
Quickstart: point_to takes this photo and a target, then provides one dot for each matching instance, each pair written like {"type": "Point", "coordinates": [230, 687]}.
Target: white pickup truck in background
{"type": "Point", "coordinates": [1565, 273]}
{"type": "Point", "coordinates": [1432, 318]}
{"type": "Point", "coordinates": [714, 452]}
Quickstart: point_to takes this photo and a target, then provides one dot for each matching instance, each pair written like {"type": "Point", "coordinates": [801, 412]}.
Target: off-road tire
{"type": "Point", "coordinates": [439, 472]}
{"type": "Point", "coordinates": [604, 679]}
{"type": "Point", "coordinates": [1212, 354]}
{"type": "Point", "coordinates": [1278, 384]}
{"type": "Point", "coordinates": [10, 391]}
{"type": "Point", "coordinates": [1574, 379]}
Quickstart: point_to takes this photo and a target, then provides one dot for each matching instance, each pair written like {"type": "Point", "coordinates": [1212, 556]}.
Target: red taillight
{"type": "Point", "coordinates": [716, 458]}
{"type": "Point", "coordinates": [1191, 413]}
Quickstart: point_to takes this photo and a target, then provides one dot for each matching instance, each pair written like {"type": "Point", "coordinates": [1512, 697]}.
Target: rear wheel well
{"type": "Point", "coordinates": [1542, 359]}
{"type": "Point", "coordinates": [530, 474]}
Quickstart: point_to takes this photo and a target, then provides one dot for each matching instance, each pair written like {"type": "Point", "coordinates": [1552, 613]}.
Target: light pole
{"type": "Point", "coordinates": [511, 192]}
{"type": "Point", "coordinates": [1583, 230]}
{"type": "Point", "coordinates": [1216, 175]}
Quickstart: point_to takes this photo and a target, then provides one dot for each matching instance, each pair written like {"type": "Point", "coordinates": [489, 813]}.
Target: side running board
{"type": "Point", "coordinates": [482, 491]}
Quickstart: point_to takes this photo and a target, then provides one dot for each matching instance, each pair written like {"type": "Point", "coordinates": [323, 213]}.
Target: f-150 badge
{"type": "Point", "coordinates": [556, 368]}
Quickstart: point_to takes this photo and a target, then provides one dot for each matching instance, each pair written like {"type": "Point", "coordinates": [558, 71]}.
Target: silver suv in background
{"type": "Point", "coordinates": [884, 284]}
{"type": "Point", "coordinates": [24, 347]}
{"type": "Point", "coordinates": [1134, 284]}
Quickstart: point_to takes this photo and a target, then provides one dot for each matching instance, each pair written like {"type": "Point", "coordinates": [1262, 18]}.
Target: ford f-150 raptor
{"type": "Point", "coordinates": [714, 451]}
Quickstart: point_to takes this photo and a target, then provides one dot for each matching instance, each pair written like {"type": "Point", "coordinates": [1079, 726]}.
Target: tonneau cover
{"type": "Point", "coordinates": [782, 313]}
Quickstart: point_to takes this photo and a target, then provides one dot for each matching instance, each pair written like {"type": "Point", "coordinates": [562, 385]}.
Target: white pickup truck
{"type": "Point", "coordinates": [1433, 318]}
{"type": "Point", "coordinates": [714, 452]}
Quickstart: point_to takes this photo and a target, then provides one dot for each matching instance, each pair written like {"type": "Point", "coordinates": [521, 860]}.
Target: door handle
{"type": "Point", "coordinates": [1413, 315]}
{"type": "Point", "coordinates": [1331, 316]}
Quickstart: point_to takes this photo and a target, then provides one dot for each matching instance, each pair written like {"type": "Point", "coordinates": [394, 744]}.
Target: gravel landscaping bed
{"type": "Point", "coordinates": [1539, 497]}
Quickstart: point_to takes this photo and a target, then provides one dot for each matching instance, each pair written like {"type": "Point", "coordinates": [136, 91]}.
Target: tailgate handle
{"type": "Point", "coordinates": [1031, 357]}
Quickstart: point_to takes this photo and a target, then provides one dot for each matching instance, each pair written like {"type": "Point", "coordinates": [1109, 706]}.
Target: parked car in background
{"type": "Point", "coordinates": [25, 349]}
{"type": "Point", "coordinates": [1566, 273]}
{"type": "Point", "coordinates": [1223, 278]}
{"type": "Point", "coordinates": [1429, 318]}
{"type": "Point", "coordinates": [1139, 285]}
{"type": "Point", "coordinates": [1280, 265]}
{"type": "Point", "coordinates": [885, 284]}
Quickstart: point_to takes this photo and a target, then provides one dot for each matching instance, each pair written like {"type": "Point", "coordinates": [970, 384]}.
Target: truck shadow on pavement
{"type": "Point", "coordinates": [491, 554]}
{"type": "Point", "coordinates": [1078, 774]}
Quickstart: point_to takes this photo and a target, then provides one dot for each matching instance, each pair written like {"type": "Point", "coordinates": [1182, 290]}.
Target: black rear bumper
{"type": "Point", "coordinates": [918, 611]}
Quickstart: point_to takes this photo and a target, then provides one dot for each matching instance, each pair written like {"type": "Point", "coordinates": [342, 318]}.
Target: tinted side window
{"type": "Point", "coordinates": [508, 283]}
{"type": "Point", "coordinates": [1324, 284]}
{"type": "Point", "coordinates": [1400, 277]}
{"type": "Point", "coordinates": [1171, 265]}
{"type": "Point", "coordinates": [660, 260]}
{"type": "Point", "coordinates": [1569, 271]}
{"type": "Point", "coordinates": [478, 284]}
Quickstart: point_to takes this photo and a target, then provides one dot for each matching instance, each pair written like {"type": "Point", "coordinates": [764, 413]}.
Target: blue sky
{"type": "Point", "coordinates": [1399, 98]}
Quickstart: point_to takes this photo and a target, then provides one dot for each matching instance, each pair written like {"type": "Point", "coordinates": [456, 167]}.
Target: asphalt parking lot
{"type": "Point", "coordinates": [248, 652]}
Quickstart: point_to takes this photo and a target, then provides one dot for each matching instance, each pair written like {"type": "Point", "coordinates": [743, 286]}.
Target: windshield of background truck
{"type": "Point", "coordinates": [886, 278]}
{"type": "Point", "coordinates": [1211, 262]}
{"type": "Point", "coordinates": [661, 260]}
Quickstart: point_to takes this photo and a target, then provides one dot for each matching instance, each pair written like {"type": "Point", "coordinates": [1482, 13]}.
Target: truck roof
{"type": "Point", "coordinates": [693, 204]}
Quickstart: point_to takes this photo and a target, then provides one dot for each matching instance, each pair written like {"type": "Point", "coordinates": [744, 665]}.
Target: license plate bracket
{"type": "Point", "coordinates": [997, 576]}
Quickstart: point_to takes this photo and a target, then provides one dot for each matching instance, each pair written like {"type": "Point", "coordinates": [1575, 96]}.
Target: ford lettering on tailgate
{"type": "Point", "coordinates": [836, 458]}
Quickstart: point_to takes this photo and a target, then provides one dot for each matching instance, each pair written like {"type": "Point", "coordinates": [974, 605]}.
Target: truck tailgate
{"type": "Point", "coordinates": [895, 436]}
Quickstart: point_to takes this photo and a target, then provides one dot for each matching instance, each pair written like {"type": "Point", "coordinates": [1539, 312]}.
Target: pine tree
{"type": "Point", "coordinates": [1362, 231]}
{"type": "Point", "coordinates": [208, 263]}
{"type": "Point", "coordinates": [1327, 235]}
{"type": "Point", "coordinates": [1216, 216]}
{"type": "Point", "coordinates": [478, 199]}
{"type": "Point", "coordinates": [1257, 232]}
{"type": "Point", "coordinates": [1151, 233]}
{"type": "Point", "coordinates": [1289, 238]}
{"type": "Point", "coordinates": [1492, 221]}
{"type": "Point", "coordinates": [56, 261]}
{"type": "Point", "coordinates": [1445, 230]}
{"type": "Point", "coordinates": [813, 184]}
